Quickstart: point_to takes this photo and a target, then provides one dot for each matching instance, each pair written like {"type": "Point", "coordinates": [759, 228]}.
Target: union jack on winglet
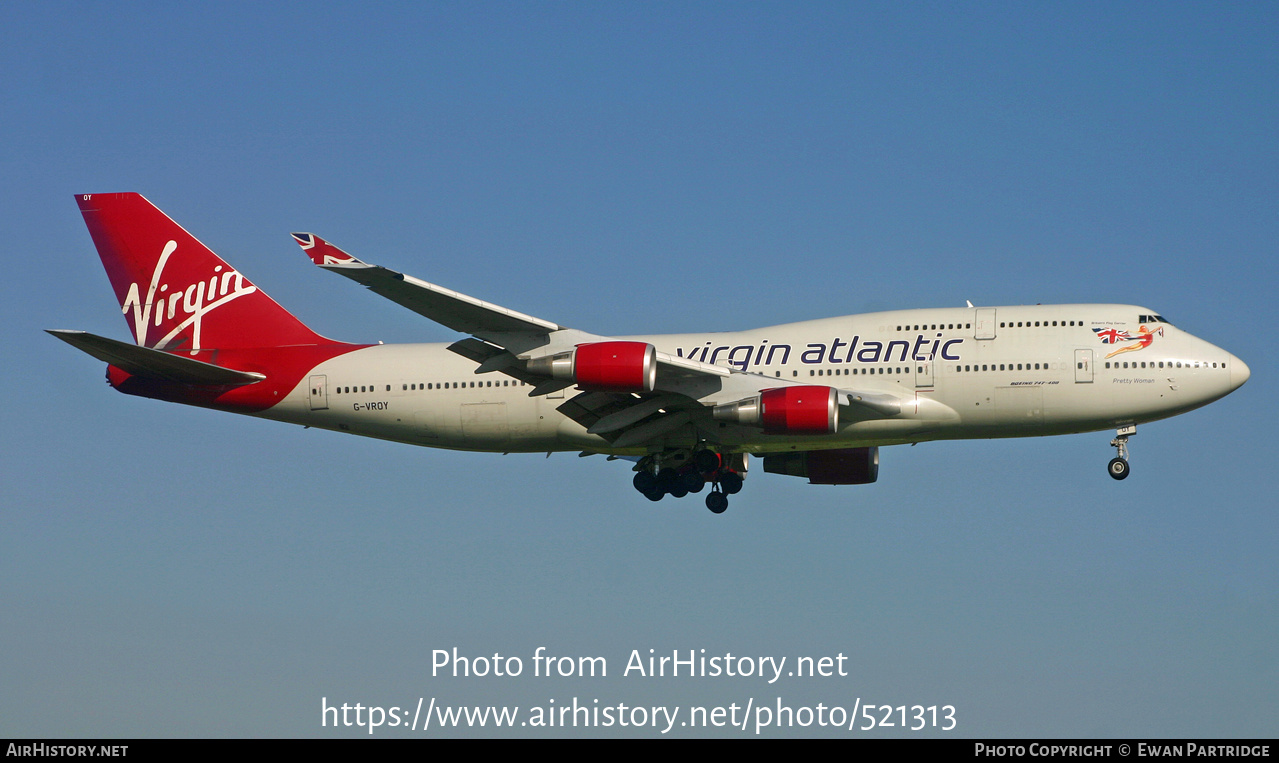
{"type": "Point", "coordinates": [322, 252]}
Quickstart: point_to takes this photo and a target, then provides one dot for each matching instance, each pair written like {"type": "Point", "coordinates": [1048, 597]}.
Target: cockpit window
{"type": "Point", "coordinates": [1151, 319]}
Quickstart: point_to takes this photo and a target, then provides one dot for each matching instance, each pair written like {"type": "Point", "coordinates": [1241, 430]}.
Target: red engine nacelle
{"type": "Point", "coordinates": [804, 409]}
{"type": "Point", "coordinates": [843, 466]}
{"type": "Point", "coordinates": [604, 366]}
{"type": "Point", "coordinates": [799, 410]}
{"type": "Point", "coordinates": [616, 367]}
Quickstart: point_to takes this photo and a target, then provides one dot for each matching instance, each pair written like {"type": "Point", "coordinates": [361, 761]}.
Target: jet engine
{"type": "Point", "coordinates": [603, 366]}
{"type": "Point", "coordinates": [802, 409]}
{"type": "Point", "coordinates": [844, 466]}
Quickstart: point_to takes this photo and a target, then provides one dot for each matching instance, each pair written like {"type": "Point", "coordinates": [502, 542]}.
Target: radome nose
{"type": "Point", "coordinates": [1239, 372]}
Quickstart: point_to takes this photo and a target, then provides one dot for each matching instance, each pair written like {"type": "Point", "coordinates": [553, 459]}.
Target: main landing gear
{"type": "Point", "coordinates": [1118, 467]}
{"type": "Point", "coordinates": [678, 474]}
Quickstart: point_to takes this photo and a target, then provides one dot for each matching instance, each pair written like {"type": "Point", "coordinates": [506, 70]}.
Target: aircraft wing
{"type": "Point", "coordinates": [457, 311]}
{"type": "Point", "coordinates": [504, 333]}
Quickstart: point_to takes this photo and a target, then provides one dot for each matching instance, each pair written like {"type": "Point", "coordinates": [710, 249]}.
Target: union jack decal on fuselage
{"type": "Point", "coordinates": [1145, 337]}
{"type": "Point", "coordinates": [1111, 335]}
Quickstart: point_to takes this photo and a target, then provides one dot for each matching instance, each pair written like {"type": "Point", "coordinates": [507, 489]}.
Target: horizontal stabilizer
{"type": "Point", "coordinates": [147, 363]}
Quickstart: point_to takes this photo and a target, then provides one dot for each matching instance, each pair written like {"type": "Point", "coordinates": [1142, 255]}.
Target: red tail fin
{"type": "Point", "coordinates": [176, 294]}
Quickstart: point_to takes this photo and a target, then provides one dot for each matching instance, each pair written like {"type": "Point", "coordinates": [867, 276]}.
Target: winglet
{"type": "Point", "coordinates": [322, 252]}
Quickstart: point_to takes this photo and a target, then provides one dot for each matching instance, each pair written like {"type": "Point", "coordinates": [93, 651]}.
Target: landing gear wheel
{"type": "Point", "coordinates": [655, 495]}
{"type": "Point", "coordinates": [730, 482]}
{"type": "Point", "coordinates": [717, 502]}
{"type": "Point", "coordinates": [1118, 467]}
{"type": "Point", "coordinates": [644, 482]}
{"type": "Point", "coordinates": [692, 482]}
{"type": "Point", "coordinates": [667, 478]}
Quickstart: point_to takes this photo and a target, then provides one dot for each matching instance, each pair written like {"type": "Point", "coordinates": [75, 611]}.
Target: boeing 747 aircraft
{"type": "Point", "coordinates": [815, 399]}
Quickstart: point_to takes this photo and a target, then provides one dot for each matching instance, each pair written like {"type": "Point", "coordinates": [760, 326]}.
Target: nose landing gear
{"type": "Point", "coordinates": [1118, 467]}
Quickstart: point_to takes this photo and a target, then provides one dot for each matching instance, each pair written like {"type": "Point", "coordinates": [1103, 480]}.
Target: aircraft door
{"type": "Point", "coordinates": [984, 324]}
{"type": "Point", "coordinates": [319, 393]}
{"type": "Point", "coordinates": [924, 373]}
{"type": "Point", "coordinates": [1083, 366]}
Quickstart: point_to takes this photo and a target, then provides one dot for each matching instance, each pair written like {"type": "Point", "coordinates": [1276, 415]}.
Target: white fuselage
{"type": "Point", "coordinates": [959, 372]}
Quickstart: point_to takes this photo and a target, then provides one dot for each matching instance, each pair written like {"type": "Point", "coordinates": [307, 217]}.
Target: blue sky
{"type": "Point", "coordinates": [635, 168]}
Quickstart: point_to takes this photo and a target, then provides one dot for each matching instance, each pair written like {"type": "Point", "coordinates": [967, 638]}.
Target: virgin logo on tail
{"type": "Point", "coordinates": [195, 301]}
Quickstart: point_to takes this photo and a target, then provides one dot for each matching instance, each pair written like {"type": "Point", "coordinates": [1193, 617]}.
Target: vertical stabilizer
{"type": "Point", "coordinates": [176, 294]}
